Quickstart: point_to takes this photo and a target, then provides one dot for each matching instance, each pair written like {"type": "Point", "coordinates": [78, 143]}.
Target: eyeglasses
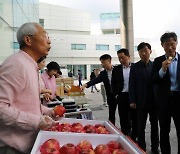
{"type": "Point", "coordinates": [45, 36]}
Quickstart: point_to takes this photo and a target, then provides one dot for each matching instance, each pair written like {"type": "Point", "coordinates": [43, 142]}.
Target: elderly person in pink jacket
{"type": "Point", "coordinates": [21, 113]}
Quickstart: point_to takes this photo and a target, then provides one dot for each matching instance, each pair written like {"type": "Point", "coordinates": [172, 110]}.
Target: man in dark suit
{"type": "Point", "coordinates": [141, 95]}
{"type": "Point", "coordinates": [166, 78]}
{"type": "Point", "coordinates": [105, 77]}
{"type": "Point", "coordinates": [120, 84]}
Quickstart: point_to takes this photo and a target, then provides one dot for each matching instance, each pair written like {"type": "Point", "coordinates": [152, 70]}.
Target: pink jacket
{"type": "Point", "coordinates": [20, 107]}
{"type": "Point", "coordinates": [50, 82]}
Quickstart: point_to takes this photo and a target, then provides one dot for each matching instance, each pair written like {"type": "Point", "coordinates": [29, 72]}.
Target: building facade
{"type": "Point", "coordinates": [73, 46]}
{"type": "Point", "coordinates": [13, 13]}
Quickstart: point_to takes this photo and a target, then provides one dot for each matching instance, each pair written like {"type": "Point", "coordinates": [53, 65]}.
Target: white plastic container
{"type": "Point", "coordinates": [94, 139]}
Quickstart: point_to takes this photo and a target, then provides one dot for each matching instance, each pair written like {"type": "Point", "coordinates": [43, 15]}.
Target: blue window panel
{"type": "Point", "coordinates": [102, 47]}
{"type": "Point", "coordinates": [117, 47]}
{"type": "Point", "coordinates": [15, 45]}
{"type": "Point", "coordinates": [78, 46]}
{"type": "Point", "coordinates": [135, 48]}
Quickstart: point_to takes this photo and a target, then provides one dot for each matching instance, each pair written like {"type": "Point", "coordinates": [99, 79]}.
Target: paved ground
{"type": "Point", "coordinates": [100, 112]}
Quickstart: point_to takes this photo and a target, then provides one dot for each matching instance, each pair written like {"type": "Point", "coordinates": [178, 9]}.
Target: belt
{"type": "Point", "coordinates": [175, 93]}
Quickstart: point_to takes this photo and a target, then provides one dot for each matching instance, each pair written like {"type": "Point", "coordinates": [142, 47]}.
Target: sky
{"type": "Point", "coordinates": [151, 18]}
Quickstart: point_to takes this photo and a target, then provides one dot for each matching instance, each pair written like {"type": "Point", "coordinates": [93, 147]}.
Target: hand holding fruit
{"type": "Point", "coordinates": [46, 122]}
{"type": "Point", "coordinates": [59, 110]}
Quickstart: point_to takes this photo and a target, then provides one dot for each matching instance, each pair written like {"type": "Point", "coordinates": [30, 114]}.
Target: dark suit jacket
{"type": "Point", "coordinates": [102, 77]}
{"type": "Point", "coordinates": [140, 86]}
{"type": "Point", "coordinates": [117, 81]}
{"type": "Point", "coordinates": [162, 85]}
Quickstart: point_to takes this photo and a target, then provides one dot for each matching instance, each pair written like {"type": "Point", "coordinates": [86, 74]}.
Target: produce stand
{"type": "Point", "coordinates": [64, 138]}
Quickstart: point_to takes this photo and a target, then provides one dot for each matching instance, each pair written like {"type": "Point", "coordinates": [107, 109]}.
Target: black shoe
{"type": "Point", "coordinates": [155, 151]}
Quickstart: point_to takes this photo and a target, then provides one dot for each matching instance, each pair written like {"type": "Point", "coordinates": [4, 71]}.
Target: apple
{"type": "Point", "coordinates": [113, 145]}
{"type": "Point", "coordinates": [102, 149]}
{"type": "Point", "coordinates": [50, 151]}
{"type": "Point", "coordinates": [84, 145]}
{"type": "Point", "coordinates": [69, 148]}
{"type": "Point", "coordinates": [102, 130]}
{"type": "Point", "coordinates": [99, 125]}
{"type": "Point", "coordinates": [87, 151]}
{"type": "Point", "coordinates": [59, 110]}
{"type": "Point", "coordinates": [56, 127]}
{"type": "Point", "coordinates": [90, 129]}
{"type": "Point", "coordinates": [50, 146]}
{"type": "Point", "coordinates": [119, 151]}
{"type": "Point", "coordinates": [65, 127]}
{"type": "Point", "coordinates": [77, 127]}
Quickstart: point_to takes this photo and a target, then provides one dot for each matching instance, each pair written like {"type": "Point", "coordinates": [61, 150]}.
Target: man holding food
{"type": "Point", "coordinates": [21, 113]}
{"type": "Point", "coordinates": [166, 78]}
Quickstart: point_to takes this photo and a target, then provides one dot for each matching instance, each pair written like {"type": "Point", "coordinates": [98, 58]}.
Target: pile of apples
{"type": "Point", "coordinates": [79, 128]}
{"type": "Point", "coordinates": [52, 146]}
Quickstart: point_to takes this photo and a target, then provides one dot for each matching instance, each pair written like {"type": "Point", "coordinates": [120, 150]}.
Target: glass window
{"type": "Point", "coordinates": [78, 46]}
{"type": "Point", "coordinates": [135, 48]}
{"type": "Point", "coordinates": [117, 47]}
{"type": "Point", "coordinates": [15, 45]}
{"type": "Point", "coordinates": [102, 47]}
{"type": "Point", "coordinates": [41, 22]}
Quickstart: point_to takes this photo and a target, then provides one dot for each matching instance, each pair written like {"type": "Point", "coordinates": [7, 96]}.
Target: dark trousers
{"type": "Point", "coordinates": [124, 110]}
{"type": "Point", "coordinates": [94, 86]}
{"type": "Point", "coordinates": [172, 110]}
{"type": "Point", "coordinates": [133, 119]}
{"type": "Point", "coordinates": [112, 107]}
{"type": "Point", "coordinates": [142, 117]}
{"type": "Point", "coordinates": [80, 83]}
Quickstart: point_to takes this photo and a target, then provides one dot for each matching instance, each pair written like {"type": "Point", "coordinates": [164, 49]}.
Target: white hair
{"type": "Point", "coordinates": [26, 29]}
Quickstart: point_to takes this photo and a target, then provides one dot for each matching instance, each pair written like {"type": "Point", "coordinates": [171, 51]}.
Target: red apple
{"type": "Point", "coordinates": [102, 149]}
{"type": "Point", "coordinates": [56, 127]}
{"type": "Point", "coordinates": [119, 151]}
{"type": "Point", "coordinates": [50, 146]}
{"type": "Point", "coordinates": [99, 125]}
{"type": "Point", "coordinates": [77, 127]}
{"type": "Point", "coordinates": [87, 151]}
{"type": "Point", "coordinates": [84, 145]}
{"type": "Point", "coordinates": [59, 110]}
{"type": "Point", "coordinates": [113, 145]}
{"type": "Point", "coordinates": [90, 129]}
{"type": "Point", "coordinates": [102, 130]}
{"type": "Point", "coordinates": [50, 151]}
{"type": "Point", "coordinates": [69, 148]}
{"type": "Point", "coordinates": [66, 127]}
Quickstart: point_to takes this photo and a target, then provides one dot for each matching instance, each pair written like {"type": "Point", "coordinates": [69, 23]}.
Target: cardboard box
{"type": "Point", "coordinates": [95, 140]}
{"type": "Point", "coordinates": [60, 90]}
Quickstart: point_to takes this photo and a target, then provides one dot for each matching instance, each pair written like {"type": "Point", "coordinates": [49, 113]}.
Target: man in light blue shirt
{"type": "Point", "coordinates": [166, 78]}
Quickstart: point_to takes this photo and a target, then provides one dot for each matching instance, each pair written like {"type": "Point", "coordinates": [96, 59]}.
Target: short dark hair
{"type": "Point", "coordinates": [53, 66]}
{"type": "Point", "coordinates": [143, 45]}
{"type": "Point", "coordinates": [166, 36]}
{"type": "Point", "coordinates": [105, 57]}
{"type": "Point", "coordinates": [41, 59]}
{"type": "Point", "coordinates": [124, 50]}
{"type": "Point", "coordinates": [59, 72]}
